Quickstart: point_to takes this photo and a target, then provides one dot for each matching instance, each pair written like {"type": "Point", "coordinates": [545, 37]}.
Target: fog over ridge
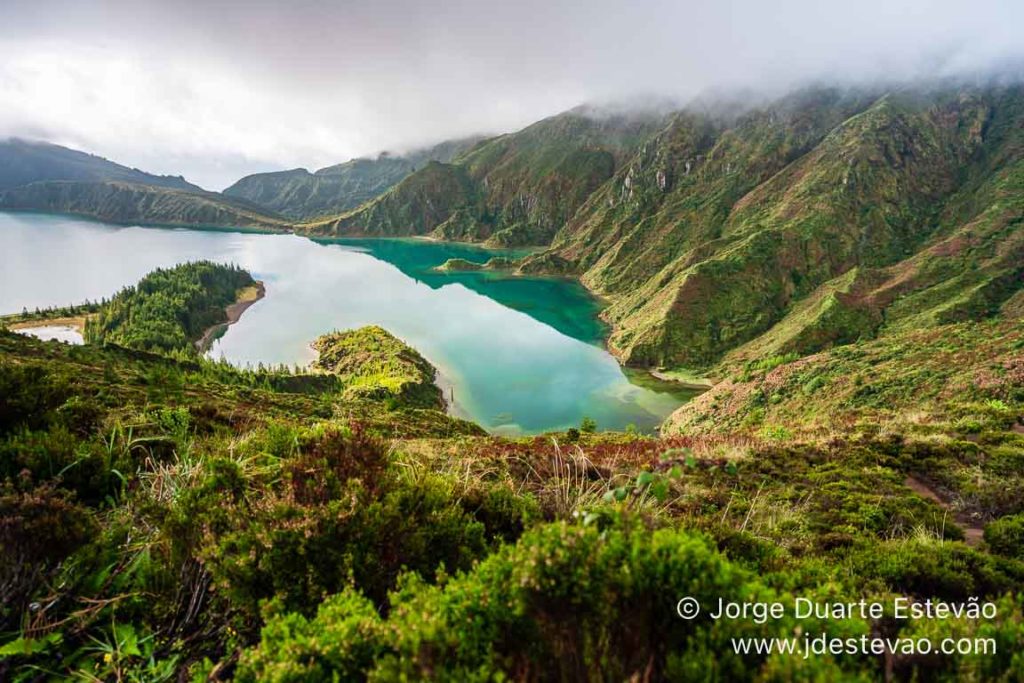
{"type": "Point", "coordinates": [217, 90]}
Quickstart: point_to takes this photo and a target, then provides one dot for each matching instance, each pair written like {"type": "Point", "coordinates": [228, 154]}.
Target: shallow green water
{"type": "Point", "coordinates": [519, 355]}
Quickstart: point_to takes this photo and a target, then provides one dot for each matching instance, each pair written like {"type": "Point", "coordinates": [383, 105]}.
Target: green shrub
{"type": "Point", "coordinates": [28, 395]}
{"type": "Point", "coordinates": [567, 602]}
{"type": "Point", "coordinates": [504, 513]}
{"type": "Point", "coordinates": [814, 384]}
{"type": "Point", "coordinates": [38, 529]}
{"type": "Point", "coordinates": [949, 571]}
{"type": "Point", "coordinates": [340, 643]}
{"type": "Point", "coordinates": [1006, 536]}
{"type": "Point", "coordinates": [775, 433]}
{"type": "Point", "coordinates": [60, 457]}
{"type": "Point", "coordinates": [769, 363]}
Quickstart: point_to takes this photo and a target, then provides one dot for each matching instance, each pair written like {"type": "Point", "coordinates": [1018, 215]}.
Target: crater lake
{"type": "Point", "coordinates": [519, 355]}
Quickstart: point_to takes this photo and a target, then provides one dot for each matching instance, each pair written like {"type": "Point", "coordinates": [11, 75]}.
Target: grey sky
{"type": "Point", "coordinates": [216, 90]}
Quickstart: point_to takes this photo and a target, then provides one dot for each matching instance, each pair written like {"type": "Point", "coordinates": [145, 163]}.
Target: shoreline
{"type": "Point", "coordinates": [234, 313]}
{"type": "Point", "coordinates": [702, 386]}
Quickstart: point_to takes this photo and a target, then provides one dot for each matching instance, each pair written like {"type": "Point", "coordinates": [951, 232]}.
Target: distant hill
{"type": "Point", "coordinates": [119, 202]}
{"type": "Point", "coordinates": [38, 176]}
{"type": "Point", "coordinates": [515, 189]}
{"type": "Point", "coordinates": [23, 162]}
{"type": "Point", "coordinates": [336, 189]}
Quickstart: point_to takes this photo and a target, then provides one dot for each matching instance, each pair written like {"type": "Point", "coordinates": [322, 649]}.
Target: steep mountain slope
{"type": "Point", "coordinates": [720, 231]}
{"type": "Point", "coordinates": [516, 189]}
{"type": "Point", "coordinates": [23, 162]}
{"type": "Point", "coordinates": [436, 194]}
{"type": "Point", "coordinates": [302, 195]}
{"type": "Point", "coordinates": [120, 202]}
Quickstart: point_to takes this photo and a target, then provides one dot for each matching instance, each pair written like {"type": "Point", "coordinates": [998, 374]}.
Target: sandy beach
{"type": "Point", "coordinates": [247, 297]}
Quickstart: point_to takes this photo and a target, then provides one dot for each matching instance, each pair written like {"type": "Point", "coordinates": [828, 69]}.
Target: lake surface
{"type": "Point", "coordinates": [520, 355]}
{"type": "Point", "coordinates": [61, 333]}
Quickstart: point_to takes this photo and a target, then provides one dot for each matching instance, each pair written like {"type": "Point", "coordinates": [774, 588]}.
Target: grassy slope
{"type": "Point", "coordinates": [909, 378]}
{"type": "Point", "coordinates": [415, 206]}
{"type": "Point", "coordinates": [949, 401]}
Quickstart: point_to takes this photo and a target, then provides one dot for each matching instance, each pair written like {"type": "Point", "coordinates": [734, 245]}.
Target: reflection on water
{"type": "Point", "coordinates": [519, 354]}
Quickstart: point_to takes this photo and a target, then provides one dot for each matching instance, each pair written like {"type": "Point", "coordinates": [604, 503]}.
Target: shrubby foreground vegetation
{"type": "Point", "coordinates": [171, 518]}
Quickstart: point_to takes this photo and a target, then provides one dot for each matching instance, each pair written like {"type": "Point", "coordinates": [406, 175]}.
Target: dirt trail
{"type": "Point", "coordinates": [973, 533]}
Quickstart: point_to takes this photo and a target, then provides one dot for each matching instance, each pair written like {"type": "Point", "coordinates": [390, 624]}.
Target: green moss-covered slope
{"type": "Point", "coordinates": [961, 375]}
{"type": "Point", "coordinates": [374, 364]}
{"type": "Point", "coordinates": [416, 206]}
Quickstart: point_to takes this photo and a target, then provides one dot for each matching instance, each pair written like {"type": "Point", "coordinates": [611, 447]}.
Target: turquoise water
{"type": "Point", "coordinates": [519, 355]}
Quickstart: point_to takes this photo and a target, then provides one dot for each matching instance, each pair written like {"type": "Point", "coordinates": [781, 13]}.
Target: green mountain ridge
{"type": "Point", "coordinates": [716, 232]}
{"type": "Point", "coordinates": [120, 202]}
{"type": "Point", "coordinates": [818, 218]}
{"type": "Point", "coordinates": [513, 190]}
{"type": "Point", "coordinates": [24, 161]}
{"type": "Point", "coordinates": [301, 195]}
{"type": "Point", "coordinates": [38, 176]}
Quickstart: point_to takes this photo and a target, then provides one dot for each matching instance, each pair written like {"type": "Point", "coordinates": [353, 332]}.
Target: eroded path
{"type": "Point", "coordinates": [973, 532]}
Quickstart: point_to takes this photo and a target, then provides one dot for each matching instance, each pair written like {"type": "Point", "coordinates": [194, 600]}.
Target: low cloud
{"type": "Point", "coordinates": [215, 90]}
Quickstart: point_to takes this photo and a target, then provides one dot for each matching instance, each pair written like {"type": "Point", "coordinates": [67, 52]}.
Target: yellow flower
{"type": "Point", "coordinates": [108, 658]}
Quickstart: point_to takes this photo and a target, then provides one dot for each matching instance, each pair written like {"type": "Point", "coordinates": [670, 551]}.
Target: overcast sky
{"type": "Point", "coordinates": [216, 90]}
